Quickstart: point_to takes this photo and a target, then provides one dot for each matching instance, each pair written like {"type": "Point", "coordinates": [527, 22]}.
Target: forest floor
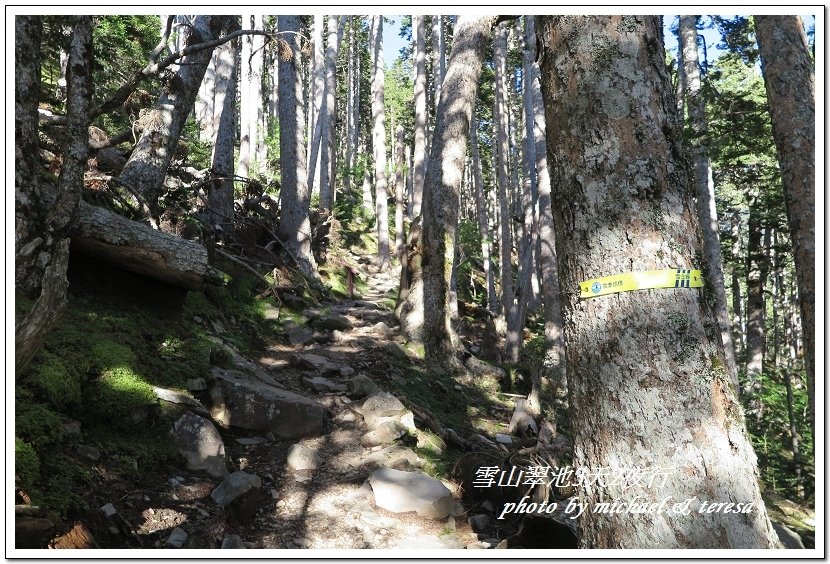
{"type": "Point", "coordinates": [332, 507]}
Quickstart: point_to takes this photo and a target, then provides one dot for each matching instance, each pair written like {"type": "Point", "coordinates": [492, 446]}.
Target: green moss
{"type": "Point", "coordinates": [53, 381]}
{"type": "Point", "coordinates": [117, 399]}
{"type": "Point", "coordinates": [107, 354]}
{"type": "Point", "coordinates": [26, 464]}
{"type": "Point", "coordinates": [36, 424]}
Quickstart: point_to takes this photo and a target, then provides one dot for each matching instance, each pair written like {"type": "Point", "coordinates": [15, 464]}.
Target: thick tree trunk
{"type": "Point", "coordinates": [706, 210]}
{"type": "Point", "coordinates": [651, 390]}
{"type": "Point", "coordinates": [438, 65]}
{"type": "Point", "coordinates": [379, 141]}
{"type": "Point", "coordinates": [443, 184]}
{"type": "Point", "coordinates": [739, 334]}
{"type": "Point", "coordinates": [29, 215]}
{"type": "Point", "coordinates": [327, 113]}
{"type": "Point", "coordinates": [255, 111]}
{"type": "Point", "coordinates": [419, 156]}
{"type": "Point", "coordinates": [220, 195]}
{"type": "Point", "coordinates": [52, 252]}
{"type": "Point", "coordinates": [147, 166]}
{"type": "Point", "coordinates": [295, 227]}
{"type": "Point", "coordinates": [351, 100]}
{"type": "Point", "coordinates": [790, 82]}
{"type": "Point", "coordinates": [139, 248]}
{"type": "Point", "coordinates": [205, 103]}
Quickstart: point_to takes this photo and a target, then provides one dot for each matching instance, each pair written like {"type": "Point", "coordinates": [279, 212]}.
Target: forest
{"type": "Point", "coordinates": [337, 282]}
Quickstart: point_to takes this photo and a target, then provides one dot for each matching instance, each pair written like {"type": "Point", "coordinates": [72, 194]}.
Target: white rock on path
{"type": "Point", "coordinates": [301, 457]}
{"type": "Point", "coordinates": [198, 441]}
{"type": "Point", "coordinates": [402, 492]}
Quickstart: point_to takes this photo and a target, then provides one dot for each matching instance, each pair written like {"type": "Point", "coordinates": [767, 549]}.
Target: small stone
{"type": "Point", "coordinates": [478, 522]}
{"type": "Point", "coordinates": [347, 417]}
{"type": "Point", "coordinates": [336, 336]}
{"type": "Point", "coordinates": [249, 441]}
{"type": "Point", "coordinates": [108, 510]}
{"type": "Point", "coordinates": [195, 384]}
{"type": "Point", "coordinates": [320, 384]}
{"type": "Point", "coordinates": [197, 319]}
{"type": "Point", "coordinates": [233, 542]}
{"type": "Point", "coordinates": [89, 452]}
{"type": "Point", "coordinates": [202, 512]}
{"type": "Point", "coordinates": [301, 457]}
{"type": "Point", "coordinates": [361, 386]}
{"type": "Point", "coordinates": [503, 439]}
{"type": "Point", "coordinates": [385, 433]}
{"type": "Point", "coordinates": [270, 436]}
{"type": "Point", "coordinates": [333, 322]}
{"type": "Point", "coordinates": [177, 538]}
{"type": "Point", "coordinates": [302, 542]}
{"type": "Point", "coordinates": [147, 498]}
{"type": "Point", "coordinates": [381, 328]}
{"type": "Point", "coordinates": [401, 492]}
{"type": "Point", "coordinates": [346, 371]}
{"type": "Point", "coordinates": [458, 387]}
{"type": "Point", "coordinates": [299, 336]}
{"type": "Point", "coordinates": [234, 486]}
{"type": "Point", "coordinates": [274, 494]}
{"type": "Point", "coordinates": [271, 313]}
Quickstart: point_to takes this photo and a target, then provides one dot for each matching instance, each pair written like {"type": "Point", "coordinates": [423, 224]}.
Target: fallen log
{"type": "Point", "coordinates": [139, 248]}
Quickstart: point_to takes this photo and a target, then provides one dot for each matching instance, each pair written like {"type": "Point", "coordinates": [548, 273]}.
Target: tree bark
{"type": "Point", "coordinates": [220, 194]}
{"type": "Point", "coordinates": [295, 227]}
{"type": "Point", "coordinates": [317, 92]}
{"type": "Point", "coordinates": [147, 166]}
{"type": "Point", "coordinates": [327, 113]}
{"type": "Point", "coordinates": [419, 151]}
{"type": "Point", "coordinates": [28, 213]}
{"type": "Point", "coordinates": [53, 252]}
{"type": "Point", "coordinates": [351, 100]}
{"type": "Point", "coordinates": [502, 168]}
{"type": "Point", "coordinates": [399, 192]}
{"type": "Point", "coordinates": [483, 224]}
{"type": "Point", "coordinates": [443, 184]}
{"type": "Point", "coordinates": [790, 80]}
{"type": "Point", "coordinates": [554, 364]}
{"type": "Point", "coordinates": [379, 142]}
{"type": "Point", "coordinates": [246, 96]}
{"type": "Point", "coordinates": [205, 109]}
{"type": "Point", "coordinates": [651, 391]}
{"type": "Point", "coordinates": [706, 210]}
{"type": "Point", "coordinates": [756, 275]}
{"type": "Point", "coordinates": [255, 112]}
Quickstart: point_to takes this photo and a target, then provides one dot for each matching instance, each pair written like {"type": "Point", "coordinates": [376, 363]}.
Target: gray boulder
{"type": "Point", "coordinates": [787, 536]}
{"type": "Point", "coordinates": [384, 433]}
{"type": "Point", "coordinates": [316, 362]}
{"type": "Point", "coordinates": [237, 484]}
{"type": "Point", "coordinates": [402, 492]}
{"type": "Point", "coordinates": [380, 407]}
{"type": "Point", "coordinates": [333, 322]}
{"type": "Point", "coordinates": [198, 441]}
{"type": "Point", "coordinates": [299, 336]}
{"type": "Point", "coordinates": [177, 538]}
{"type": "Point", "coordinates": [321, 384]}
{"type": "Point", "coordinates": [362, 386]}
{"type": "Point", "coordinates": [253, 405]}
{"type": "Point", "coordinates": [397, 457]}
{"type": "Point", "coordinates": [172, 396]}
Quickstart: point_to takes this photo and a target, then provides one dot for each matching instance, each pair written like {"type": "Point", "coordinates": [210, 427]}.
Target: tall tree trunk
{"type": "Point", "coordinates": [366, 188]}
{"type": "Point", "coordinates": [316, 95]}
{"type": "Point", "coordinates": [408, 156]}
{"type": "Point", "coordinates": [355, 136]}
{"type": "Point", "coordinates": [756, 275]}
{"type": "Point", "coordinates": [29, 215]}
{"type": "Point", "coordinates": [554, 343]}
{"type": "Point", "coordinates": [706, 210]}
{"type": "Point", "coordinates": [419, 155]}
{"type": "Point", "coordinates": [443, 184]}
{"type": "Point", "coordinates": [483, 225]}
{"type": "Point", "coordinates": [379, 141]}
{"type": "Point", "coordinates": [147, 166]}
{"type": "Point", "coordinates": [327, 113]}
{"type": "Point", "coordinates": [52, 242]}
{"type": "Point", "coordinates": [790, 82]}
{"type": "Point", "coordinates": [256, 115]}
{"type": "Point", "coordinates": [502, 168]}
{"type": "Point", "coordinates": [438, 65]}
{"type": "Point", "coordinates": [399, 191]}
{"type": "Point", "coordinates": [206, 104]}
{"type": "Point", "coordinates": [295, 228]}
{"type": "Point", "coordinates": [651, 391]}
{"type": "Point", "coordinates": [351, 101]}
{"type": "Point", "coordinates": [737, 302]}
{"type": "Point", "coordinates": [220, 195]}
{"type": "Point", "coordinates": [246, 98]}
{"type": "Point", "coordinates": [527, 255]}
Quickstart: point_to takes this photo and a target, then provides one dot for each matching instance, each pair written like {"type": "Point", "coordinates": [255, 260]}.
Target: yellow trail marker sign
{"type": "Point", "coordinates": [628, 281]}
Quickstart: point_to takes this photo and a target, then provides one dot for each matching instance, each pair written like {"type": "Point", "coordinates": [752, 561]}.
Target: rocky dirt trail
{"type": "Point", "coordinates": [326, 468]}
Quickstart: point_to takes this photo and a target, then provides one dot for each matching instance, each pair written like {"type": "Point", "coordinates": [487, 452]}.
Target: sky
{"type": "Point", "coordinates": [392, 42]}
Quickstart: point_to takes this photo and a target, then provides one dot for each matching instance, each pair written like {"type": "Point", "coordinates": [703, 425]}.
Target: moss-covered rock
{"type": "Point", "coordinates": [56, 382]}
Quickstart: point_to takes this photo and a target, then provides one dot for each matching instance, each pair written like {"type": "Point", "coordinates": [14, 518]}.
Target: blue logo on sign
{"type": "Point", "coordinates": [596, 287]}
